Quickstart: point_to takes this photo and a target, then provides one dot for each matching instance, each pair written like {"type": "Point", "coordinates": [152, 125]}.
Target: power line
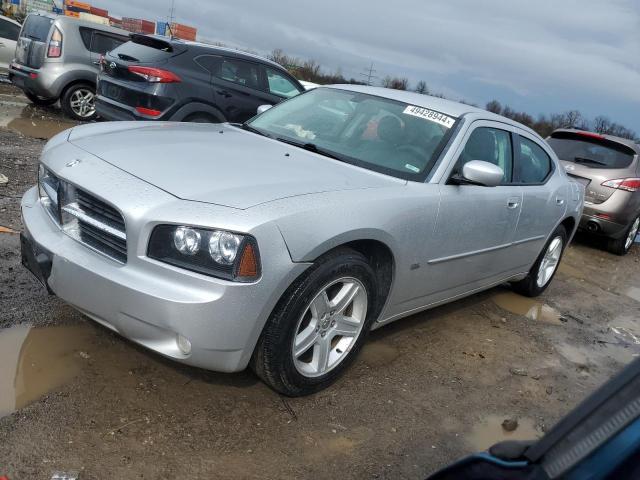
{"type": "Point", "coordinates": [369, 74]}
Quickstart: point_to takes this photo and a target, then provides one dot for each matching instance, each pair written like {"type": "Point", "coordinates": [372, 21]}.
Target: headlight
{"type": "Point", "coordinates": [217, 253]}
{"type": "Point", "coordinates": [49, 191]}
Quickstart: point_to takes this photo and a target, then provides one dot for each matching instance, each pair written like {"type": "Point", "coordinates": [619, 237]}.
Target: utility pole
{"type": "Point", "coordinates": [369, 74]}
{"type": "Point", "coordinates": [173, 11]}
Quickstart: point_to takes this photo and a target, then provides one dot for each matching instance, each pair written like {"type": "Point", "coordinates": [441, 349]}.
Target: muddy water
{"type": "Point", "coordinates": [527, 307]}
{"type": "Point", "coordinates": [489, 431]}
{"type": "Point", "coordinates": [32, 121]}
{"type": "Point", "coordinates": [34, 361]}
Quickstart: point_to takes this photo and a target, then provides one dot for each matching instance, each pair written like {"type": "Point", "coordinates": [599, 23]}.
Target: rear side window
{"type": "Point", "coordinates": [489, 145]}
{"type": "Point", "coordinates": [591, 151]}
{"type": "Point", "coordinates": [102, 43]}
{"type": "Point", "coordinates": [280, 85]}
{"type": "Point", "coordinates": [9, 30]}
{"type": "Point", "coordinates": [243, 73]}
{"type": "Point", "coordinates": [533, 164]}
{"type": "Point", "coordinates": [37, 28]}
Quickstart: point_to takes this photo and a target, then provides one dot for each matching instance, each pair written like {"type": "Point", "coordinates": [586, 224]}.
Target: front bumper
{"type": "Point", "coordinates": [150, 303]}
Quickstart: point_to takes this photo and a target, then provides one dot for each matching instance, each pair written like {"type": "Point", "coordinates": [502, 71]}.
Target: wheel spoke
{"type": "Point", "coordinates": [346, 326]}
{"type": "Point", "coordinates": [344, 297]}
{"type": "Point", "coordinates": [320, 305]}
{"type": "Point", "coordinates": [321, 352]}
{"type": "Point", "coordinates": [305, 340]}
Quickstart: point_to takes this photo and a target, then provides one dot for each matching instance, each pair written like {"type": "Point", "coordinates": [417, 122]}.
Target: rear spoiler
{"type": "Point", "coordinates": [152, 42]}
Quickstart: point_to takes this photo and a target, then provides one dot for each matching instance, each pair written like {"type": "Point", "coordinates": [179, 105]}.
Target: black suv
{"type": "Point", "coordinates": [155, 78]}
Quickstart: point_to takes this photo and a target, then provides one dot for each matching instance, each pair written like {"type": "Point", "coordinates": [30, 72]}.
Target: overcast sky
{"type": "Point", "coordinates": [540, 56]}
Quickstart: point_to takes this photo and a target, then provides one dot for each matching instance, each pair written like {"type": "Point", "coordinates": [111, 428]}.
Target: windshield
{"type": "Point", "coordinates": [377, 133]}
{"type": "Point", "coordinates": [590, 151]}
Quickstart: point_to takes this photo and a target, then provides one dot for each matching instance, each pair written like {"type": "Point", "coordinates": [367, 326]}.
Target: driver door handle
{"type": "Point", "coordinates": [224, 93]}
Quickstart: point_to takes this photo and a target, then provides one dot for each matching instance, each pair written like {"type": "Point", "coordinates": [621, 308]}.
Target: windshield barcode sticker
{"type": "Point", "coordinates": [431, 115]}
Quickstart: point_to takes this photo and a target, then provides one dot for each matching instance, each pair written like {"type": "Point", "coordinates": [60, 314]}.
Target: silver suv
{"type": "Point", "coordinates": [57, 58]}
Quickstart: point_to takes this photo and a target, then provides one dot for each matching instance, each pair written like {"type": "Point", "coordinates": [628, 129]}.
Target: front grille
{"type": "Point", "coordinates": [85, 217]}
{"type": "Point", "coordinates": [99, 210]}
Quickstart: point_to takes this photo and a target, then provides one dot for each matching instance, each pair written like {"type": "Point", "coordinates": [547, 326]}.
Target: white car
{"type": "Point", "coordinates": [9, 31]}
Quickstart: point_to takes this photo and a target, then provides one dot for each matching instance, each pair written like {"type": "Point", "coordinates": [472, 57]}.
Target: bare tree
{"type": "Point", "coordinates": [494, 106]}
{"type": "Point", "coordinates": [422, 87]}
{"type": "Point", "coordinates": [395, 83]}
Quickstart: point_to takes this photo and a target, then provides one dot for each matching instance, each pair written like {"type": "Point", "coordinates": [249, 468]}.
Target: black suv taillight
{"type": "Point", "coordinates": [55, 44]}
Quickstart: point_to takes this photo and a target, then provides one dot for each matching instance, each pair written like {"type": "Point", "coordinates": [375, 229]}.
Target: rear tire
{"type": "Point", "coordinates": [40, 101]}
{"type": "Point", "coordinates": [303, 347]}
{"type": "Point", "coordinates": [546, 265]}
{"type": "Point", "coordinates": [78, 102]}
{"type": "Point", "coordinates": [621, 246]}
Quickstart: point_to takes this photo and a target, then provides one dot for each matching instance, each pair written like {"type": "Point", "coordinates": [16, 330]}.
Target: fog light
{"type": "Point", "coordinates": [184, 345]}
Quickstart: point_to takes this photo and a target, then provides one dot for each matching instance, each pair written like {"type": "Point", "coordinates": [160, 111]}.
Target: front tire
{"type": "Point", "coordinates": [546, 265]}
{"type": "Point", "coordinates": [78, 102]}
{"type": "Point", "coordinates": [621, 246]}
{"type": "Point", "coordinates": [319, 325]}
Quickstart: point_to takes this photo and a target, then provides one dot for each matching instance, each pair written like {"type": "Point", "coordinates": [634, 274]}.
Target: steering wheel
{"type": "Point", "coordinates": [416, 153]}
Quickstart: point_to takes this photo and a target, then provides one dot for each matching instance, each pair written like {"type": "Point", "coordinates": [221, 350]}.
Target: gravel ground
{"type": "Point", "coordinates": [425, 391]}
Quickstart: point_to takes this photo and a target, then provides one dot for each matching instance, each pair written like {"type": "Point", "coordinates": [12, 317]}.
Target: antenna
{"type": "Point", "coordinates": [369, 74]}
{"type": "Point", "coordinates": [173, 11]}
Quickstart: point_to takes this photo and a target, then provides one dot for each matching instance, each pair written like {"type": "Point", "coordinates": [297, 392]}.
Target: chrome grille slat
{"type": "Point", "coordinates": [85, 217]}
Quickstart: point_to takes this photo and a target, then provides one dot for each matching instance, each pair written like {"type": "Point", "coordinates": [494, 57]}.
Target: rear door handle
{"type": "Point", "coordinates": [559, 201]}
{"type": "Point", "coordinates": [224, 93]}
{"type": "Point", "coordinates": [513, 203]}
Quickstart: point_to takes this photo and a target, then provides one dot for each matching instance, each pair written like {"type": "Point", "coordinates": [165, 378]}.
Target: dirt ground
{"type": "Point", "coordinates": [425, 391]}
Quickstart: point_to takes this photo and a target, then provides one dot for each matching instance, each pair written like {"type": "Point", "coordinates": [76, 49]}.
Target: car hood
{"type": "Point", "coordinates": [219, 164]}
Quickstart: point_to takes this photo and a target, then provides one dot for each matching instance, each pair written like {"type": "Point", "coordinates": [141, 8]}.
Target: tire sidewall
{"type": "Point", "coordinates": [287, 316]}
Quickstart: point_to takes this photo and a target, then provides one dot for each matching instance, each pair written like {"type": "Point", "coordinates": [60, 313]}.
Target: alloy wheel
{"type": "Point", "coordinates": [329, 327]}
{"type": "Point", "coordinates": [549, 262]}
{"type": "Point", "coordinates": [83, 103]}
{"type": "Point", "coordinates": [632, 234]}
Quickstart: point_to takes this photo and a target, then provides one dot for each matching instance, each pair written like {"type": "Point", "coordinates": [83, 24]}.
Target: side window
{"type": "Point", "coordinates": [489, 145]}
{"type": "Point", "coordinates": [102, 43]}
{"type": "Point", "coordinates": [533, 164]}
{"type": "Point", "coordinates": [209, 63]}
{"type": "Point", "coordinates": [85, 34]}
{"type": "Point", "coordinates": [8, 30]}
{"type": "Point", "coordinates": [240, 72]}
{"type": "Point", "coordinates": [280, 85]}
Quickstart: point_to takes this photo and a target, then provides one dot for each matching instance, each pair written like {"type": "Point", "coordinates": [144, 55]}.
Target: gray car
{"type": "Point", "coordinates": [282, 242]}
{"type": "Point", "coordinates": [57, 58]}
{"type": "Point", "coordinates": [9, 30]}
{"type": "Point", "coordinates": [609, 168]}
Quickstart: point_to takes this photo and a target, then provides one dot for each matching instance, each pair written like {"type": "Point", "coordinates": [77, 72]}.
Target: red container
{"type": "Point", "coordinates": [101, 12]}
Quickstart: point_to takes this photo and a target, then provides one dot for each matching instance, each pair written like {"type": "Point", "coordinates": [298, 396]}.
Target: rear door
{"type": "Point", "coordinates": [545, 196]}
{"type": "Point", "coordinates": [9, 33]}
{"type": "Point", "coordinates": [240, 87]}
{"type": "Point", "coordinates": [33, 39]}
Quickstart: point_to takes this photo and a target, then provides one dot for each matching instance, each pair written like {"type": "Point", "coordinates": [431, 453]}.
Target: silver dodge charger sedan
{"type": "Point", "coordinates": [282, 242]}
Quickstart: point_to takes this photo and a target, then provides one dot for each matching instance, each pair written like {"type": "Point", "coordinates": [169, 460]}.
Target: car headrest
{"type": "Point", "coordinates": [481, 146]}
{"type": "Point", "coordinates": [390, 129]}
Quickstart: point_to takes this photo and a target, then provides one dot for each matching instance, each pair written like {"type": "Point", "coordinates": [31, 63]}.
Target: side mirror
{"type": "Point", "coordinates": [478, 172]}
{"type": "Point", "coordinates": [263, 108]}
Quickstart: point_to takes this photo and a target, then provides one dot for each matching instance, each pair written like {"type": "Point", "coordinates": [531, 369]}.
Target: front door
{"type": "Point", "coordinates": [476, 224]}
{"type": "Point", "coordinates": [240, 87]}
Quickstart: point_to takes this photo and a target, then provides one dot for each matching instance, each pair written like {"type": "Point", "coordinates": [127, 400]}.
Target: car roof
{"type": "Point", "coordinates": [216, 48]}
{"type": "Point", "coordinates": [82, 23]}
{"type": "Point", "coordinates": [11, 20]}
{"type": "Point", "coordinates": [450, 107]}
{"type": "Point", "coordinates": [612, 138]}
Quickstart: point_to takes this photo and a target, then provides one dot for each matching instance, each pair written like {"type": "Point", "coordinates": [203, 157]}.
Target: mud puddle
{"type": "Point", "coordinates": [35, 361]}
{"type": "Point", "coordinates": [31, 121]}
{"type": "Point", "coordinates": [633, 292]}
{"type": "Point", "coordinates": [490, 431]}
{"type": "Point", "coordinates": [527, 307]}
{"type": "Point", "coordinates": [378, 354]}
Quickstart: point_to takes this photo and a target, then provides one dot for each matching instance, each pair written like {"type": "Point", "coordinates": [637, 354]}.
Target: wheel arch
{"type": "Point", "coordinates": [197, 108]}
